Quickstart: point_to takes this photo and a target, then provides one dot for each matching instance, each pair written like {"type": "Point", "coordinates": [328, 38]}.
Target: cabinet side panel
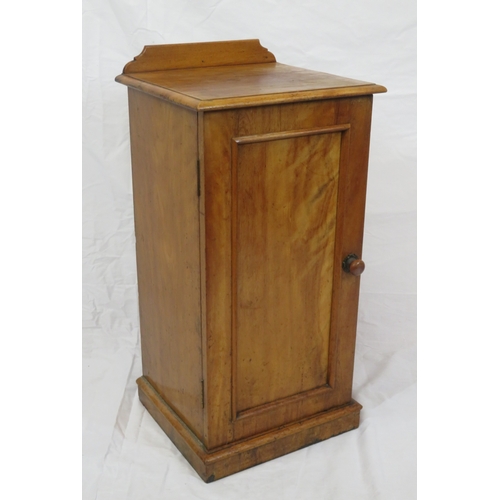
{"type": "Point", "coordinates": [164, 157]}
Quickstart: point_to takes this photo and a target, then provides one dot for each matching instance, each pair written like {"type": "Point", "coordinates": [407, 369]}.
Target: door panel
{"type": "Point", "coordinates": [282, 203]}
{"type": "Point", "coordinates": [283, 219]}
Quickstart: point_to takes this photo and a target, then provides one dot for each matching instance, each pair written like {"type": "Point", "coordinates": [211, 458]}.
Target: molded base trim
{"type": "Point", "coordinates": [240, 455]}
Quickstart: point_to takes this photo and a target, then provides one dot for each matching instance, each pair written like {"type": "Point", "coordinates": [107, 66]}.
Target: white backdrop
{"type": "Point", "coordinates": [126, 455]}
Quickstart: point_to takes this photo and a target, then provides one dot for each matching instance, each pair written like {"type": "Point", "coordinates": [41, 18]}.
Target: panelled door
{"type": "Point", "coordinates": [282, 205]}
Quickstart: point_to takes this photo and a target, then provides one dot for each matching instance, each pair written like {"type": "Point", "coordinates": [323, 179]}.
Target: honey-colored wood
{"type": "Point", "coordinates": [228, 75]}
{"type": "Point", "coordinates": [284, 203]}
{"type": "Point", "coordinates": [226, 82]}
{"type": "Point", "coordinates": [249, 100]}
{"type": "Point", "coordinates": [198, 55]}
{"type": "Point", "coordinates": [241, 455]}
{"type": "Point", "coordinates": [249, 192]}
{"type": "Point", "coordinates": [222, 130]}
{"type": "Point", "coordinates": [164, 166]}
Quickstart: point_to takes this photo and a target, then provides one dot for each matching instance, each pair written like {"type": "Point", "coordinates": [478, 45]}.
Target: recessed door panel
{"type": "Point", "coordinates": [284, 202]}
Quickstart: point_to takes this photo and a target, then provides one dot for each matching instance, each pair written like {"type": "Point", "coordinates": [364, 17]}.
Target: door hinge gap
{"type": "Point", "coordinates": [198, 187]}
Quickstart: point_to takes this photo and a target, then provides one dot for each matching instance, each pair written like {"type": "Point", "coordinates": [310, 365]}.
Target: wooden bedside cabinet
{"type": "Point", "coordinates": [249, 182]}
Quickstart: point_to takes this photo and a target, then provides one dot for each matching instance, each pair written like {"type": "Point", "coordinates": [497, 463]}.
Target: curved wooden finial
{"type": "Point", "coordinates": [197, 55]}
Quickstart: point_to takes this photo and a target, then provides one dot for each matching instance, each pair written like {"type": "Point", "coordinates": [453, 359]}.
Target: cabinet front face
{"type": "Point", "coordinates": [282, 205]}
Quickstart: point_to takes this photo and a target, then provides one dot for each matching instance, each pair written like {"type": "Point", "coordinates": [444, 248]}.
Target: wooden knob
{"type": "Point", "coordinates": [353, 264]}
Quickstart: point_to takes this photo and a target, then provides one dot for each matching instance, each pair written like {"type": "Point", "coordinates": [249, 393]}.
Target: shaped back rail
{"type": "Point", "coordinates": [198, 55]}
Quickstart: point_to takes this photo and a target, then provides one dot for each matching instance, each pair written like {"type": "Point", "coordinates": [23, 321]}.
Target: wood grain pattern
{"type": "Point", "coordinates": [195, 55]}
{"type": "Point", "coordinates": [351, 210]}
{"type": "Point", "coordinates": [221, 130]}
{"type": "Point", "coordinates": [216, 209]}
{"type": "Point", "coordinates": [249, 192]}
{"type": "Point", "coordinates": [284, 211]}
{"type": "Point", "coordinates": [238, 456]}
{"type": "Point", "coordinates": [245, 85]}
{"type": "Point", "coordinates": [164, 154]}
{"type": "Point", "coordinates": [207, 84]}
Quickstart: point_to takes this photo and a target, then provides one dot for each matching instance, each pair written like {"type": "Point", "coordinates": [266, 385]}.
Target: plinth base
{"type": "Point", "coordinates": [240, 455]}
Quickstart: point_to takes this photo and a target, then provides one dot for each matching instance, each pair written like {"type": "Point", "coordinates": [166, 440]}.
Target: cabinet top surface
{"type": "Point", "coordinates": [218, 75]}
